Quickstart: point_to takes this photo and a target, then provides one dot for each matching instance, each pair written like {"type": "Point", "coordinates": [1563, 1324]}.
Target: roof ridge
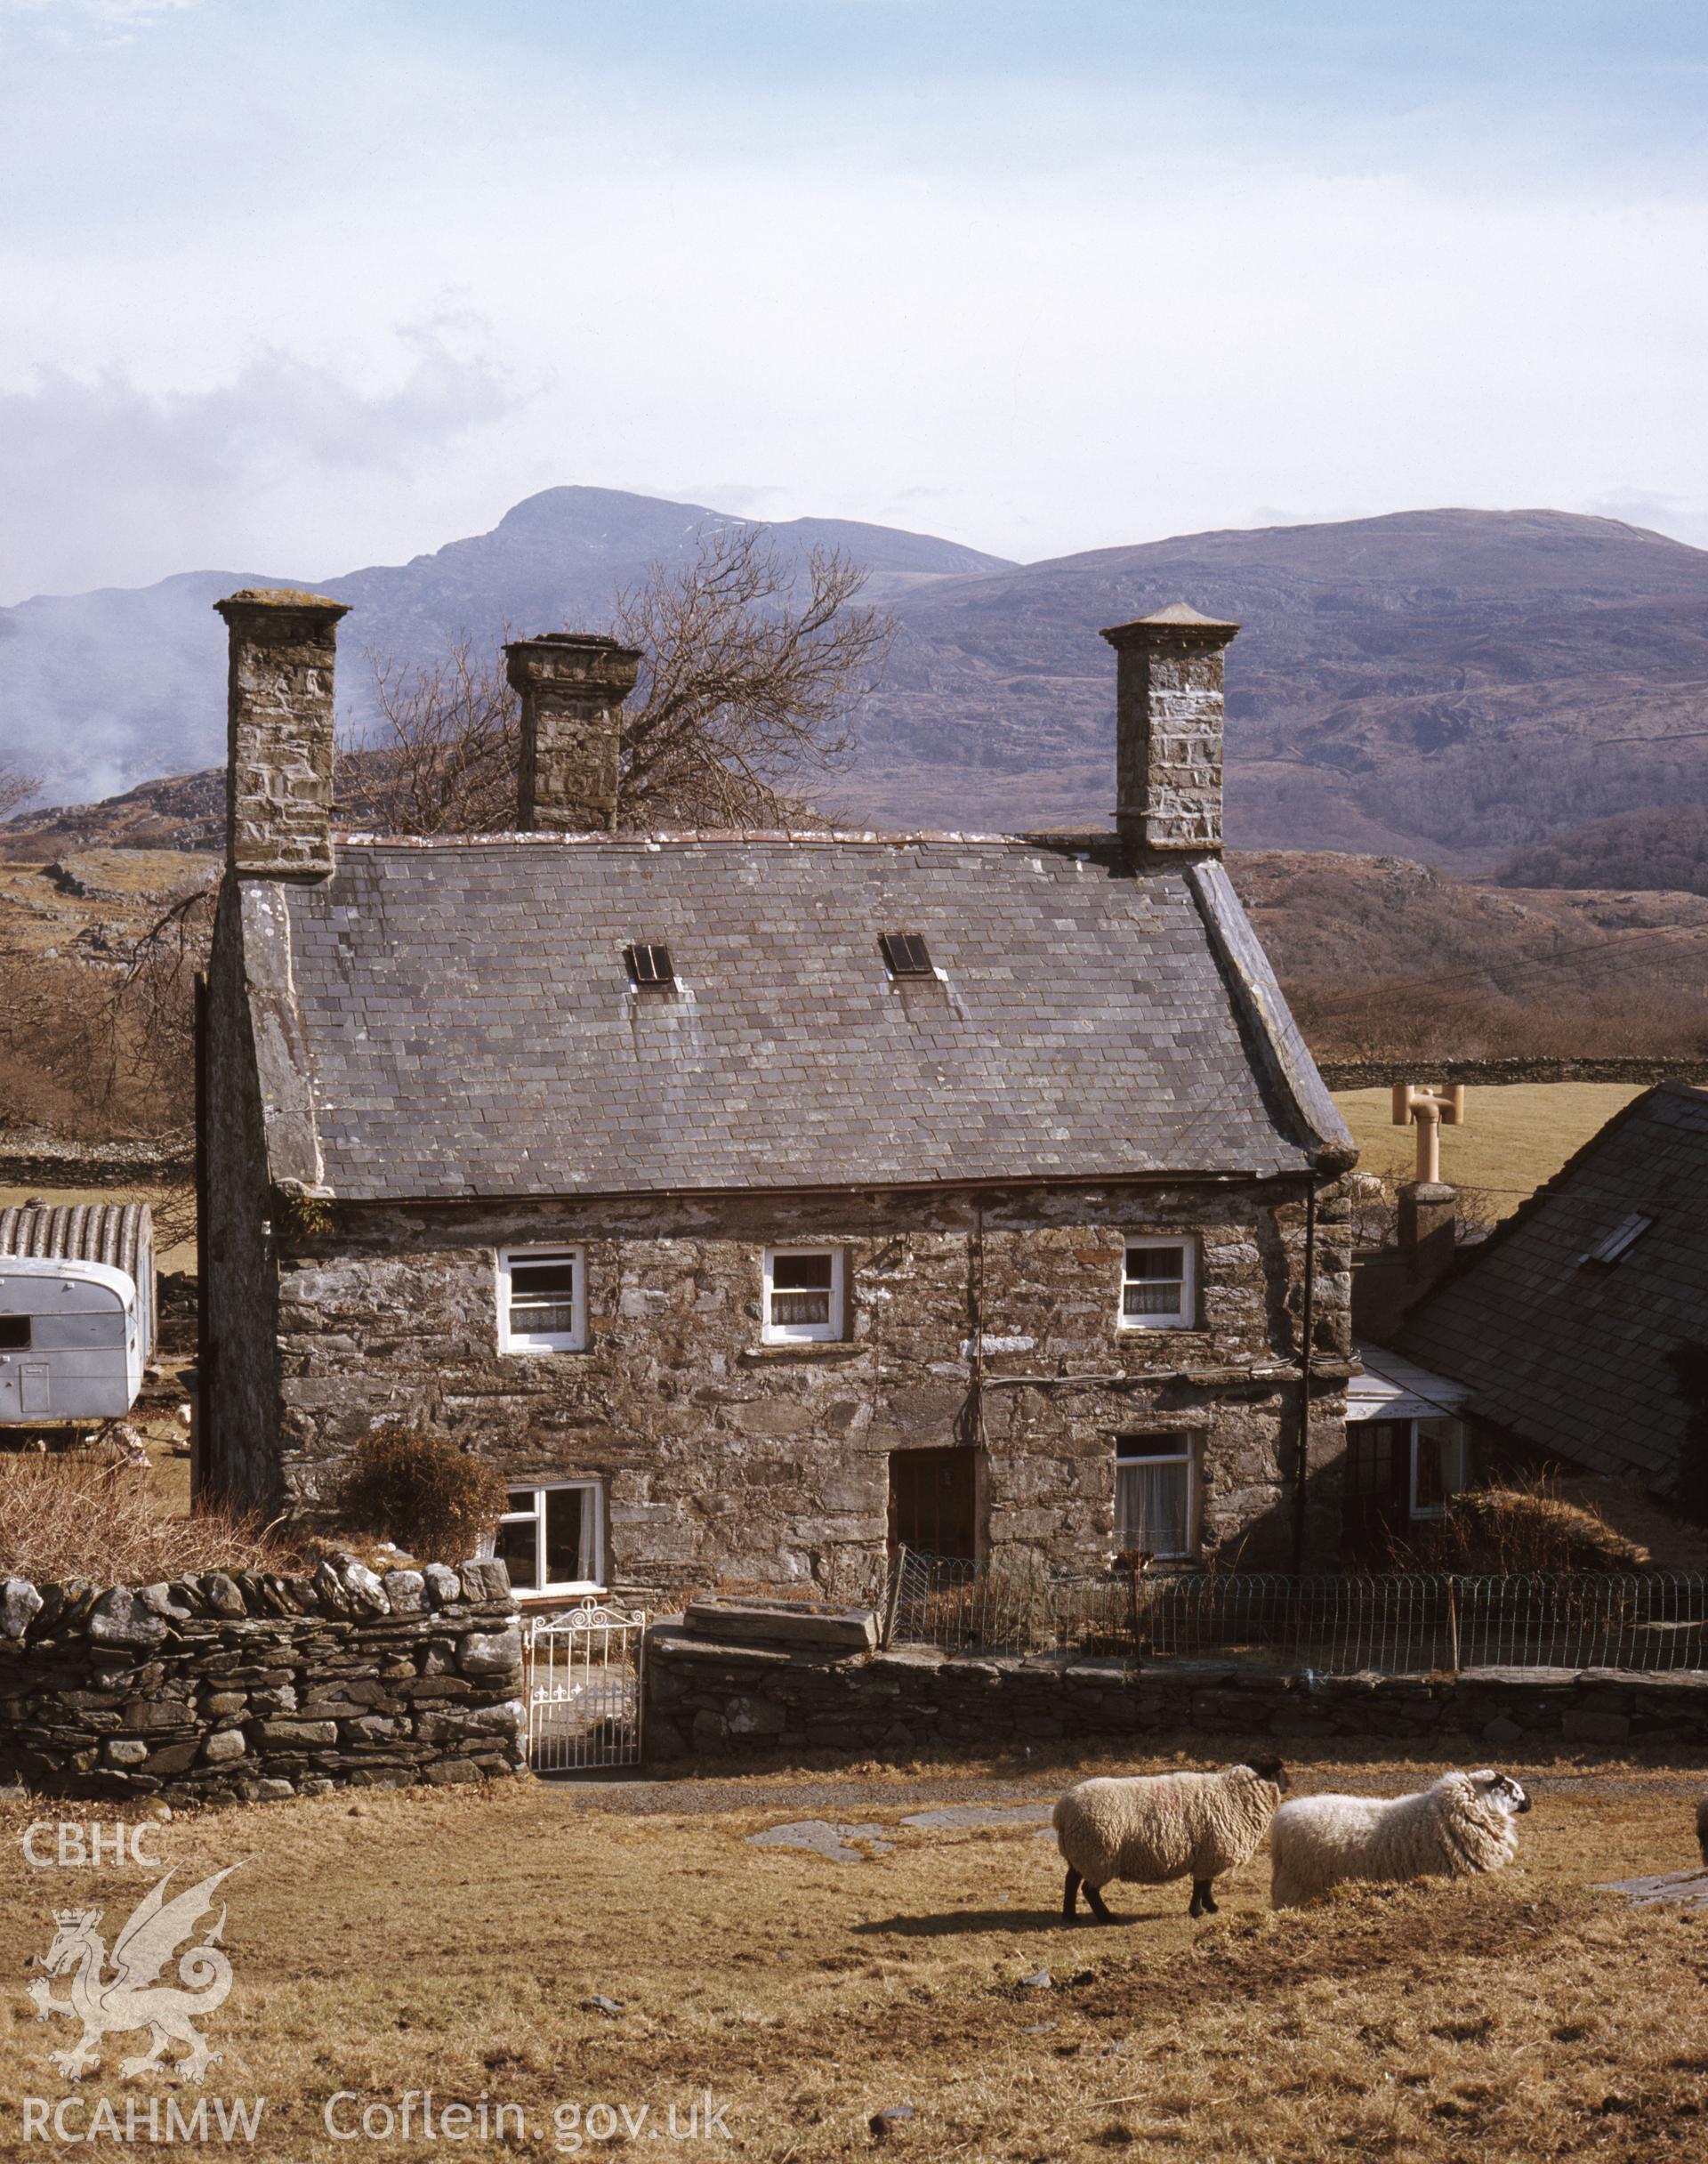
{"type": "Point", "coordinates": [660, 837]}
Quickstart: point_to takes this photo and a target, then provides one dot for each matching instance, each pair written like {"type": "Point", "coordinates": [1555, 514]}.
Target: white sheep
{"type": "Point", "coordinates": [1150, 1828]}
{"type": "Point", "coordinates": [1460, 1826]}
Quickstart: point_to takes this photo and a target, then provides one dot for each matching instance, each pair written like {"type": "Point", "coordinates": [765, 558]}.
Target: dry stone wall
{"type": "Point", "coordinates": [728, 1459]}
{"type": "Point", "coordinates": [246, 1686]}
{"type": "Point", "coordinates": [706, 1700]}
{"type": "Point", "coordinates": [1495, 1074]}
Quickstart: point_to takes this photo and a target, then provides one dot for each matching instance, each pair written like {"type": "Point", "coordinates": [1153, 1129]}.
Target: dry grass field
{"type": "Point", "coordinates": [389, 1944]}
{"type": "Point", "coordinates": [1514, 1139]}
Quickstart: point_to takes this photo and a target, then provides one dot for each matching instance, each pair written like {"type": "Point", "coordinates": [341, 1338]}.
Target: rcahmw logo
{"type": "Point", "coordinates": [127, 1996]}
{"type": "Point", "coordinates": [142, 2119]}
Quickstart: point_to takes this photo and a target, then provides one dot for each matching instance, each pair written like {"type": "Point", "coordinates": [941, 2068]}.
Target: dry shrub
{"type": "Point", "coordinates": [418, 1489]}
{"type": "Point", "coordinates": [1524, 1526]}
{"type": "Point", "coordinates": [94, 1518]}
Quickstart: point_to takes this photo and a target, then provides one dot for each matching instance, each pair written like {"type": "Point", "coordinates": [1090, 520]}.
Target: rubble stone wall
{"type": "Point", "coordinates": [246, 1687]}
{"type": "Point", "coordinates": [729, 1460]}
{"type": "Point", "coordinates": [1493, 1074]}
{"type": "Point", "coordinates": [706, 1700]}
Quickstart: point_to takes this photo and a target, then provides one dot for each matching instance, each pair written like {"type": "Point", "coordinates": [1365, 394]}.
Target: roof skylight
{"type": "Point", "coordinates": [906, 954]}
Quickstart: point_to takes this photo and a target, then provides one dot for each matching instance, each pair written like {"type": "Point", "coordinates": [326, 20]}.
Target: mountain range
{"type": "Point", "coordinates": [1445, 684]}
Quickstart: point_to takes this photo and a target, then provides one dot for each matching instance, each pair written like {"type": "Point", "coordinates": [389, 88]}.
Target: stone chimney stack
{"type": "Point", "coordinates": [1168, 728]}
{"type": "Point", "coordinates": [571, 684]}
{"type": "Point", "coordinates": [279, 730]}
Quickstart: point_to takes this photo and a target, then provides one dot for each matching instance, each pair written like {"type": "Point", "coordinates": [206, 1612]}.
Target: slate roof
{"type": "Point", "coordinates": [468, 1025]}
{"type": "Point", "coordinates": [1572, 1355]}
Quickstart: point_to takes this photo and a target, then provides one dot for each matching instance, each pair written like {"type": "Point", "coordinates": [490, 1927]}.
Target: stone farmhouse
{"type": "Point", "coordinates": [760, 1201]}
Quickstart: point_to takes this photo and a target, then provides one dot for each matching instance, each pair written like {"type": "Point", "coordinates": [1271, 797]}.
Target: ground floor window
{"type": "Point", "coordinates": [1157, 1497]}
{"type": "Point", "coordinates": [1405, 1468]}
{"type": "Point", "coordinates": [551, 1538]}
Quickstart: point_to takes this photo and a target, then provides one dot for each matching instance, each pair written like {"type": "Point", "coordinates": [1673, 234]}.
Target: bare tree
{"type": "Point", "coordinates": [152, 1012]}
{"type": "Point", "coordinates": [752, 666]}
{"type": "Point", "coordinates": [443, 757]}
{"type": "Point", "coordinates": [753, 663]}
{"type": "Point", "coordinates": [16, 786]}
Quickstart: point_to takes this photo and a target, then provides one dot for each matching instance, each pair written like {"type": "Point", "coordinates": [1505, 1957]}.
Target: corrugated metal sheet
{"type": "Point", "coordinates": [120, 1234]}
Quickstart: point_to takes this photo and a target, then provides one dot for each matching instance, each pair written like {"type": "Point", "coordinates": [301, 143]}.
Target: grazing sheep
{"type": "Point", "coordinates": [1149, 1827]}
{"type": "Point", "coordinates": [1460, 1826]}
{"type": "Point", "coordinates": [1701, 1828]}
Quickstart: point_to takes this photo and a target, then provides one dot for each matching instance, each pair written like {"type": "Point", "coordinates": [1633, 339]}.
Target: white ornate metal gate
{"type": "Point", "coordinates": [586, 1679]}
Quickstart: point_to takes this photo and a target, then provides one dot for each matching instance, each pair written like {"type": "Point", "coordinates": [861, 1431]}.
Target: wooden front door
{"type": "Point", "coordinates": [934, 1502]}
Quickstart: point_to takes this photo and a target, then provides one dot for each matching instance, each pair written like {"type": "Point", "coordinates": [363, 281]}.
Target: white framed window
{"type": "Point", "coordinates": [551, 1538]}
{"type": "Point", "coordinates": [1438, 1466]}
{"type": "Point", "coordinates": [802, 1295]}
{"type": "Point", "coordinates": [1158, 1285]}
{"type": "Point", "coordinates": [542, 1300]}
{"type": "Point", "coordinates": [1413, 1466]}
{"type": "Point", "coordinates": [1157, 1497]}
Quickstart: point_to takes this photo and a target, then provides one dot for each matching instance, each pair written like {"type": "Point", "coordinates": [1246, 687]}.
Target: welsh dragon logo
{"type": "Point", "coordinates": [129, 1996]}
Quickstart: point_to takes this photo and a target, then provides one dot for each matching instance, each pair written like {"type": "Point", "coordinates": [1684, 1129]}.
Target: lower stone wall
{"type": "Point", "coordinates": [46, 1160]}
{"type": "Point", "coordinates": [1382, 1074]}
{"type": "Point", "coordinates": [706, 1699]}
{"type": "Point", "coordinates": [249, 1686]}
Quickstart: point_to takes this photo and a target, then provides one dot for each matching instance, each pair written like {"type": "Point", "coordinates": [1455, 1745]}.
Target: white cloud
{"type": "Point", "coordinates": [72, 22]}
{"type": "Point", "coordinates": [1068, 284]}
{"type": "Point", "coordinates": [111, 484]}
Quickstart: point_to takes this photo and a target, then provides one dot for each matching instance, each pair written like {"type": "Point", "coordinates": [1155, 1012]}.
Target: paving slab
{"type": "Point", "coordinates": [821, 1838]}
{"type": "Point", "coordinates": [1670, 1889]}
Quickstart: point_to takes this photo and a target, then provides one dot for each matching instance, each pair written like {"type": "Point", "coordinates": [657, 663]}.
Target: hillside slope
{"type": "Point", "coordinates": [1437, 682]}
{"type": "Point", "coordinates": [1444, 683]}
{"type": "Point", "coordinates": [106, 690]}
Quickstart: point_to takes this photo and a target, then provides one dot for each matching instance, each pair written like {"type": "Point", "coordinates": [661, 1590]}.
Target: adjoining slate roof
{"type": "Point", "coordinates": [1573, 1356]}
{"type": "Point", "coordinates": [469, 1026]}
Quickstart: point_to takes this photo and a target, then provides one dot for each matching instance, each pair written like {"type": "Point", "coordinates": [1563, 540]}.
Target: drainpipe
{"type": "Point", "coordinates": [1307, 1325]}
{"type": "Point", "coordinates": [976, 1287]}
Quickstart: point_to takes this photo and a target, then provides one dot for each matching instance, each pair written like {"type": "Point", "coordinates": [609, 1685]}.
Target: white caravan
{"type": "Point", "coordinates": [76, 1312]}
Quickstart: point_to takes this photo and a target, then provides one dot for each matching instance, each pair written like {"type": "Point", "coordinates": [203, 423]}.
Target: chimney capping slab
{"type": "Point", "coordinates": [285, 601]}
{"type": "Point", "coordinates": [1180, 621]}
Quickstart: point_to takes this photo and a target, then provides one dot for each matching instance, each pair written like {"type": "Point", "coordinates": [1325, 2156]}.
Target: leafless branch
{"type": "Point", "coordinates": [753, 665]}
{"type": "Point", "coordinates": [753, 669]}
{"type": "Point", "coordinates": [443, 757]}
{"type": "Point", "coordinates": [16, 786]}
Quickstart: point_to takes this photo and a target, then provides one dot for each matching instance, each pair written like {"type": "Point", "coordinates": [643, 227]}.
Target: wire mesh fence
{"type": "Point", "coordinates": [1396, 1623]}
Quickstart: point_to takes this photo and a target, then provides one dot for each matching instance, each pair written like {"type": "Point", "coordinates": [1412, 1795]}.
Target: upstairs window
{"type": "Point", "coordinates": [906, 955]}
{"type": "Point", "coordinates": [1159, 1287]}
{"type": "Point", "coordinates": [803, 1295]}
{"type": "Point", "coordinates": [1157, 1497]}
{"type": "Point", "coordinates": [552, 1539]}
{"type": "Point", "coordinates": [650, 966]}
{"type": "Point", "coordinates": [542, 1300]}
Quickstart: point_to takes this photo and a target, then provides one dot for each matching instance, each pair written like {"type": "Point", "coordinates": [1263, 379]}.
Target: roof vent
{"type": "Point", "coordinates": [906, 954]}
{"type": "Point", "coordinates": [650, 967]}
{"type": "Point", "coordinates": [1620, 1241]}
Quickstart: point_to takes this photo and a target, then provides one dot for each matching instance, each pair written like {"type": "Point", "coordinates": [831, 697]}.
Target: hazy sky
{"type": "Point", "coordinates": [293, 286]}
